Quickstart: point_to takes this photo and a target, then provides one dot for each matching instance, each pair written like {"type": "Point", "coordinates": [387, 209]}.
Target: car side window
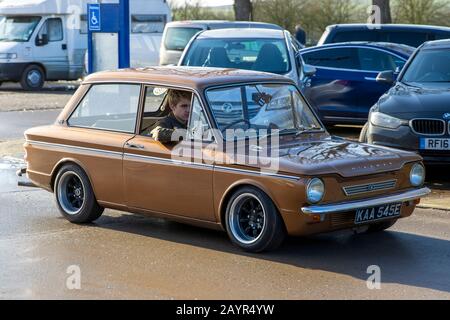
{"type": "Point", "coordinates": [110, 107]}
{"type": "Point", "coordinates": [376, 60]}
{"type": "Point", "coordinates": [199, 128]}
{"type": "Point", "coordinates": [53, 29]}
{"type": "Point", "coordinates": [342, 58]}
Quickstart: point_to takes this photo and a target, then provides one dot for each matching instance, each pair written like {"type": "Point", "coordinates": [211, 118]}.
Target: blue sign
{"type": "Point", "coordinates": [94, 17]}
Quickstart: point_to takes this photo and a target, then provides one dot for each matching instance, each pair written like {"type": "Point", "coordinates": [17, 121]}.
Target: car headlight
{"type": "Point", "coordinates": [383, 120]}
{"type": "Point", "coordinates": [315, 190]}
{"type": "Point", "coordinates": [8, 55]}
{"type": "Point", "coordinates": [417, 175]}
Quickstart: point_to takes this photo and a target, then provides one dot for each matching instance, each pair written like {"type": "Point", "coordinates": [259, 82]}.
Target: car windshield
{"type": "Point", "coordinates": [17, 29]}
{"type": "Point", "coordinates": [177, 38]}
{"type": "Point", "coordinates": [261, 109]}
{"type": "Point", "coordinates": [429, 66]}
{"type": "Point", "coordinates": [269, 55]}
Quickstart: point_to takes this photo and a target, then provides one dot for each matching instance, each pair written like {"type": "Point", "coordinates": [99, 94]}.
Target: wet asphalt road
{"type": "Point", "coordinates": [128, 256]}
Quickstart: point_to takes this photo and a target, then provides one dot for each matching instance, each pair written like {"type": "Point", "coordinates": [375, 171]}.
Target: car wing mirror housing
{"type": "Point", "coordinates": [41, 40]}
{"type": "Point", "coordinates": [309, 70]}
{"type": "Point", "coordinates": [386, 77]}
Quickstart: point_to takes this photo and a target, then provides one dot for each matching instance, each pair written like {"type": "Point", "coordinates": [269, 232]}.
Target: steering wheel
{"type": "Point", "coordinates": [235, 123]}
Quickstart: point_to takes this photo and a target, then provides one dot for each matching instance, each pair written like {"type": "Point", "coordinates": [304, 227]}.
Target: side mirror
{"type": "Point", "coordinates": [386, 77]}
{"type": "Point", "coordinates": [41, 40]}
{"type": "Point", "coordinates": [309, 70]}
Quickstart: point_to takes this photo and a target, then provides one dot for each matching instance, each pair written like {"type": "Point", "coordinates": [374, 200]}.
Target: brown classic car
{"type": "Point", "coordinates": [253, 160]}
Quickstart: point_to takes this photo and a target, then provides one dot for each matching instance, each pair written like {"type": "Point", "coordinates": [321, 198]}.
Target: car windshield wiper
{"type": "Point", "coordinates": [308, 130]}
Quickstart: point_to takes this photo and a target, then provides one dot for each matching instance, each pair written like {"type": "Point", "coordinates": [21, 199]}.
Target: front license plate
{"type": "Point", "coordinates": [378, 213]}
{"type": "Point", "coordinates": [434, 144]}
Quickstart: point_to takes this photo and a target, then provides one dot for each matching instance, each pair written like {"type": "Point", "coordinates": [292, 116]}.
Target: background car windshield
{"type": "Point", "coordinates": [429, 66]}
{"type": "Point", "coordinates": [261, 107]}
{"type": "Point", "coordinates": [269, 55]}
{"type": "Point", "coordinates": [17, 28]}
{"type": "Point", "coordinates": [178, 38]}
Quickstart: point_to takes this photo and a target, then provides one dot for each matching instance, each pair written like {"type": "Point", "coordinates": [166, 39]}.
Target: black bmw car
{"type": "Point", "coordinates": [415, 113]}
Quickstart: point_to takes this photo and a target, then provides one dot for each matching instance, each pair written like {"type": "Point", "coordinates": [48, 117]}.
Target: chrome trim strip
{"type": "Point", "coordinates": [71, 148]}
{"type": "Point", "coordinates": [354, 205]}
{"type": "Point", "coordinates": [427, 134]}
{"type": "Point", "coordinates": [369, 187]}
{"type": "Point", "coordinates": [166, 161]}
{"type": "Point", "coordinates": [258, 173]}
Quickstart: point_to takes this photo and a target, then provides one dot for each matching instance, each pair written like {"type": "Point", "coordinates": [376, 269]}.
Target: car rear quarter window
{"type": "Point", "coordinates": [377, 60]}
{"type": "Point", "coordinates": [176, 38]}
{"type": "Point", "coordinates": [110, 107]}
{"type": "Point", "coordinates": [341, 58]}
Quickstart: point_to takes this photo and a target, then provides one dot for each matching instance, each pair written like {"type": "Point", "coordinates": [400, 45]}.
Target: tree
{"type": "Point", "coordinates": [422, 11]}
{"type": "Point", "coordinates": [385, 10]}
{"type": "Point", "coordinates": [243, 10]}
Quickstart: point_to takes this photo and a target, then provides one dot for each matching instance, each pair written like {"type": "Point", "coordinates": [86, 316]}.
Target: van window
{"type": "Point", "coordinates": [413, 39]}
{"type": "Point", "coordinates": [148, 23]}
{"type": "Point", "coordinates": [17, 29]}
{"type": "Point", "coordinates": [342, 58]}
{"type": "Point", "coordinates": [355, 35]}
{"type": "Point", "coordinates": [53, 29]}
{"type": "Point", "coordinates": [110, 107]}
{"type": "Point", "coordinates": [177, 38]}
{"type": "Point", "coordinates": [83, 24]}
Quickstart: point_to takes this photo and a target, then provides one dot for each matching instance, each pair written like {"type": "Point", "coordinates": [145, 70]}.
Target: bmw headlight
{"type": "Point", "coordinates": [383, 120]}
{"type": "Point", "coordinates": [315, 190]}
{"type": "Point", "coordinates": [417, 175]}
{"type": "Point", "coordinates": [8, 55]}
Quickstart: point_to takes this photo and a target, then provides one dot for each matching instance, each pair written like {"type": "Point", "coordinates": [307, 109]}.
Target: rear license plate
{"type": "Point", "coordinates": [378, 213]}
{"type": "Point", "coordinates": [434, 144]}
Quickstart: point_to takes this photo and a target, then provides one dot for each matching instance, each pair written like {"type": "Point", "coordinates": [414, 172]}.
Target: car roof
{"type": "Point", "coordinates": [224, 24]}
{"type": "Point", "coordinates": [243, 33]}
{"type": "Point", "coordinates": [438, 44]}
{"type": "Point", "coordinates": [358, 26]}
{"type": "Point", "coordinates": [196, 78]}
{"type": "Point", "coordinates": [402, 49]}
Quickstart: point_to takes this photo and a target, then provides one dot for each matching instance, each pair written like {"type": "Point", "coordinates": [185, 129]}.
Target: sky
{"type": "Point", "coordinates": [209, 3]}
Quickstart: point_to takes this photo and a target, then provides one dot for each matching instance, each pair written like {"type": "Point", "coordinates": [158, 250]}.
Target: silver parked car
{"type": "Point", "coordinates": [274, 51]}
{"type": "Point", "coordinates": [177, 34]}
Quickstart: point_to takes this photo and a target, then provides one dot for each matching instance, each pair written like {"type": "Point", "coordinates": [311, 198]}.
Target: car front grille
{"type": "Point", "coordinates": [428, 126]}
{"type": "Point", "coordinates": [369, 187]}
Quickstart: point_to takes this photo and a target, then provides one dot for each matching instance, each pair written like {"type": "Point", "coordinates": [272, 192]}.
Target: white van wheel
{"type": "Point", "coordinates": [33, 78]}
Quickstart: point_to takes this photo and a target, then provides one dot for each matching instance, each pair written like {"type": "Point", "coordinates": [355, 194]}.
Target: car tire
{"type": "Point", "coordinates": [363, 135]}
{"type": "Point", "coordinates": [33, 78]}
{"type": "Point", "coordinates": [74, 195]}
{"type": "Point", "coordinates": [253, 222]}
{"type": "Point", "coordinates": [381, 226]}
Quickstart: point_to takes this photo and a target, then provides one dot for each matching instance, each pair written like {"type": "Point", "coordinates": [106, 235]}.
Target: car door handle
{"type": "Point", "coordinates": [134, 146]}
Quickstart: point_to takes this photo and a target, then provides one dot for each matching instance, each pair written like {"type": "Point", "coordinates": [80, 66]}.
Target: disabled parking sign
{"type": "Point", "coordinates": [94, 17]}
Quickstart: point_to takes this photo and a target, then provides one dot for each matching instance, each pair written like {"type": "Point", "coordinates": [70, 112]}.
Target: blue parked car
{"type": "Point", "coordinates": [344, 87]}
{"type": "Point", "coordinates": [409, 34]}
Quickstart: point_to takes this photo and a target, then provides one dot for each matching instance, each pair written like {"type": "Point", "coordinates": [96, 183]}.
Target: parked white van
{"type": "Point", "coordinates": [47, 39]}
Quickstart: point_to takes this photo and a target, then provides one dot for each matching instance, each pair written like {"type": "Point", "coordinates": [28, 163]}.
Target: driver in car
{"type": "Point", "coordinates": [173, 127]}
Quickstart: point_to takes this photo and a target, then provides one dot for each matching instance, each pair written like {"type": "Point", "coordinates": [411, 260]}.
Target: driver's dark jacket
{"type": "Point", "coordinates": [169, 130]}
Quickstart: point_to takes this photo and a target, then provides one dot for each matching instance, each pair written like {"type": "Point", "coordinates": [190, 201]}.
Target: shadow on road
{"type": "Point", "coordinates": [405, 259]}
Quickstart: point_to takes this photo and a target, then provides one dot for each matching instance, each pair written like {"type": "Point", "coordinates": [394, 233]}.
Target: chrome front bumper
{"type": "Point", "coordinates": [367, 203]}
